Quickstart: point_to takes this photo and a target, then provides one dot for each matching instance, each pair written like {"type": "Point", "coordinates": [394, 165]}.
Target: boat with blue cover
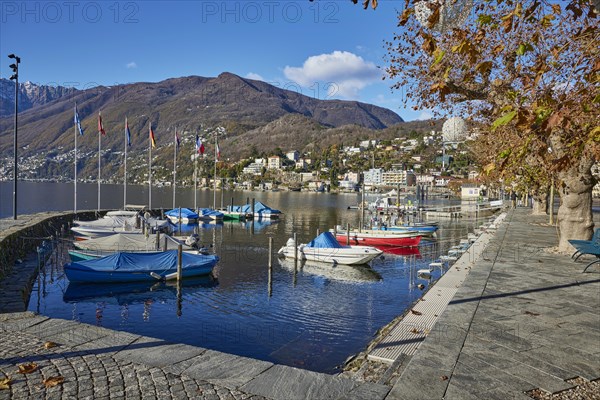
{"type": "Point", "coordinates": [208, 214]}
{"type": "Point", "coordinates": [134, 267]}
{"type": "Point", "coordinates": [325, 248]}
{"type": "Point", "coordinates": [183, 215]}
{"type": "Point", "coordinates": [260, 210]}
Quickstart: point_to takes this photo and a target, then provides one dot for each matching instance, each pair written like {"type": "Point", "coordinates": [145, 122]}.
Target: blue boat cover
{"type": "Point", "coordinates": [325, 240]}
{"type": "Point", "coordinates": [207, 212]}
{"type": "Point", "coordinates": [140, 262]}
{"type": "Point", "coordinates": [258, 208]}
{"type": "Point", "coordinates": [185, 212]}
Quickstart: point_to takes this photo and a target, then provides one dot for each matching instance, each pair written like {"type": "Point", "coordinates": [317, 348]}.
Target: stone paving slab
{"type": "Point", "coordinates": [156, 352]}
{"type": "Point", "coordinates": [280, 382]}
{"type": "Point", "coordinates": [225, 369]}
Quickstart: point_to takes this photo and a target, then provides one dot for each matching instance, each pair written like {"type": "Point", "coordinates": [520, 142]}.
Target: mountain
{"type": "Point", "coordinates": [188, 104]}
{"type": "Point", "coordinates": [30, 95]}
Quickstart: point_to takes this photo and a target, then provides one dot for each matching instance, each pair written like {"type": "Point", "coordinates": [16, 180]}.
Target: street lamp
{"type": "Point", "coordinates": [15, 77]}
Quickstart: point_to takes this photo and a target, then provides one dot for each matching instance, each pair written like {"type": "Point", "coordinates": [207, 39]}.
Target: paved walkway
{"type": "Point", "coordinates": [523, 319]}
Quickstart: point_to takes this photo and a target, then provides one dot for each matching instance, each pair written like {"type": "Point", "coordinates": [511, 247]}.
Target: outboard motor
{"type": "Point", "coordinates": [193, 240]}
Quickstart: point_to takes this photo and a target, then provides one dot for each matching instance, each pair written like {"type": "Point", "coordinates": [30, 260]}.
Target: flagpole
{"type": "Point", "coordinates": [215, 178]}
{"type": "Point", "coordinates": [174, 167]}
{"type": "Point", "coordinates": [75, 177]}
{"type": "Point", "coordinates": [150, 166]}
{"type": "Point", "coordinates": [125, 167]}
{"type": "Point", "coordinates": [99, 160]}
{"type": "Point", "coordinates": [195, 180]}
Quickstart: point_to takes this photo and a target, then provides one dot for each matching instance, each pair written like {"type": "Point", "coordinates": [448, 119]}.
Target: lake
{"type": "Point", "coordinates": [313, 317]}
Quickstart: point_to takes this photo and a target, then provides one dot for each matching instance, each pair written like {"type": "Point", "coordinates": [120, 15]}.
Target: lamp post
{"type": "Point", "coordinates": [15, 77]}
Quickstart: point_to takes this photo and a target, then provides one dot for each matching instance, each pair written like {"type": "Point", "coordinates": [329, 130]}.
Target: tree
{"type": "Point", "coordinates": [527, 73]}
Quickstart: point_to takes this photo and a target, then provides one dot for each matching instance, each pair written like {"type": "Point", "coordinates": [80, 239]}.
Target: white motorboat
{"type": "Point", "coordinates": [325, 248]}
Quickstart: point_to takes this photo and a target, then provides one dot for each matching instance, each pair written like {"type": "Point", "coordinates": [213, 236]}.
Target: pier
{"type": "Point", "coordinates": [521, 320]}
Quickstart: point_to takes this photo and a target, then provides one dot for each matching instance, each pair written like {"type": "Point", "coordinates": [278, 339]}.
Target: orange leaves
{"type": "Point", "coordinates": [27, 368]}
{"type": "Point", "coordinates": [5, 383]}
{"type": "Point", "coordinates": [442, 89]}
{"type": "Point", "coordinates": [429, 43]}
{"type": "Point", "coordinates": [53, 381]}
{"type": "Point", "coordinates": [484, 68]}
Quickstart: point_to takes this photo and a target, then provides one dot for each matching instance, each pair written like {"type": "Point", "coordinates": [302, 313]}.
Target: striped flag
{"type": "Point", "coordinates": [100, 126]}
{"type": "Point", "coordinates": [152, 140]}
{"type": "Point", "coordinates": [127, 133]}
{"type": "Point", "coordinates": [218, 151]}
{"type": "Point", "coordinates": [199, 145]}
{"type": "Point", "coordinates": [177, 139]}
{"type": "Point", "coordinates": [77, 121]}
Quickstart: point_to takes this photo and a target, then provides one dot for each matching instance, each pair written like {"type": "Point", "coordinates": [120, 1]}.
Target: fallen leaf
{"type": "Point", "coordinates": [414, 330]}
{"type": "Point", "coordinates": [49, 345]}
{"type": "Point", "coordinates": [533, 314]}
{"type": "Point", "coordinates": [416, 312]}
{"type": "Point", "coordinates": [5, 383]}
{"type": "Point", "coordinates": [27, 368]}
{"type": "Point", "coordinates": [444, 377]}
{"type": "Point", "coordinates": [53, 381]}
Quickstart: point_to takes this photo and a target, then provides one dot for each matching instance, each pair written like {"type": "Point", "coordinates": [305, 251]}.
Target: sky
{"type": "Point", "coordinates": [328, 49]}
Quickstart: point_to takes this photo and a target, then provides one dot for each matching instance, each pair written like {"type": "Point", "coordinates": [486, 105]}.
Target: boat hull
{"type": "Point", "coordinates": [136, 267]}
{"type": "Point", "coordinates": [357, 255]}
{"type": "Point", "coordinates": [358, 239]}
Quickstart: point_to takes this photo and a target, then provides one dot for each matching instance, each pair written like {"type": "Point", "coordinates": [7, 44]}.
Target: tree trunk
{"type": "Point", "coordinates": [540, 201]}
{"type": "Point", "coordinates": [575, 220]}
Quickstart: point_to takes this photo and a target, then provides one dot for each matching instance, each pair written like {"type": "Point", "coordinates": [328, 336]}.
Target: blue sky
{"type": "Point", "coordinates": [324, 49]}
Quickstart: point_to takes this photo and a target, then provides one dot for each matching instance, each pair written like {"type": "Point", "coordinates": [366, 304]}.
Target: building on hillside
{"type": "Point", "coordinates": [398, 177]}
{"type": "Point", "coordinates": [373, 176]}
{"type": "Point", "coordinates": [425, 179]}
{"type": "Point", "coordinates": [473, 175]}
{"type": "Point", "coordinates": [470, 191]}
{"type": "Point", "coordinates": [253, 169]}
{"type": "Point", "coordinates": [274, 162]}
{"type": "Point", "coordinates": [301, 164]}
{"type": "Point", "coordinates": [293, 155]}
{"type": "Point", "coordinates": [366, 143]}
{"type": "Point", "coordinates": [306, 176]}
{"type": "Point", "coordinates": [442, 181]}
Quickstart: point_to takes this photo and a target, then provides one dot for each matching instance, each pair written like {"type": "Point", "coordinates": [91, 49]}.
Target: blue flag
{"type": "Point", "coordinates": [77, 121]}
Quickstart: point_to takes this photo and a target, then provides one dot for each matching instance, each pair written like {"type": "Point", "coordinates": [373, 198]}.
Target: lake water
{"type": "Point", "coordinates": [312, 317]}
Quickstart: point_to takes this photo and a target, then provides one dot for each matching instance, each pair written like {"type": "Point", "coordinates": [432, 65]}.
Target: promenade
{"type": "Point", "coordinates": [523, 322]}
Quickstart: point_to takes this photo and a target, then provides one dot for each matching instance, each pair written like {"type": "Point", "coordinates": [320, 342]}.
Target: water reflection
{"type": "Point", "coordinates": [336, 272]}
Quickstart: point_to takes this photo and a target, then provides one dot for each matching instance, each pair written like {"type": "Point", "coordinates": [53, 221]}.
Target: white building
{"type": "Point", "coordinates": [293, 155]}
{"type": "Point", "coordinates": [274, 162]}
{"type": "Point", "coordinates": [423, 179]}
{"type": "Point", "coordinates": [398, 177]}
{"type": "Point", "coordinates": [373, 176]}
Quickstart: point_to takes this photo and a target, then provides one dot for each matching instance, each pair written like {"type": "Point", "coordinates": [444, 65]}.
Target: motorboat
{"type": "Point", "coordinates": [325, 248]}
{"type": "Point", "coordinates": [134, 267]}
{"type": "Point", "coordinates": [378, 238]}
{"type": "Point", "coordinates": [183, 215]}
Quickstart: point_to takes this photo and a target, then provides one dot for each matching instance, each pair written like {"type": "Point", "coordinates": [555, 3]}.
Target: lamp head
{"type": "Point", "coordinates": [11, 56]}
{"type": "Point", "coordinates": [14, 77]}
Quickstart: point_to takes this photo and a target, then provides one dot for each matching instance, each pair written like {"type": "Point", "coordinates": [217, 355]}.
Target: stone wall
{"type": "Point", "coordinates": [18, 238]}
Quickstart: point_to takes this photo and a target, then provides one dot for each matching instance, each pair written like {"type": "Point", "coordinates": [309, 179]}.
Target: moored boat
{"type": "Point", "coordinates": [134, 267]}
{"type": "Point", "coordinates": [208, 214]}
{"type": "Point", "coordinates": [379, 238]}
{"type": "Point", "coordinates": [183, 215]}
{"type": "Point", "coordinates": [325, 248]}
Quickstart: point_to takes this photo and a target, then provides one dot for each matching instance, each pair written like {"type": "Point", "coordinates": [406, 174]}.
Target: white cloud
{"type": "Point", "coordinates": [425, 115]}
{"type": "Point", "coordinates": [256, 77]}
{"type": "Point", "coordinates": [131, 65]}
{"type": "Point", "coordinates": [342, 72]}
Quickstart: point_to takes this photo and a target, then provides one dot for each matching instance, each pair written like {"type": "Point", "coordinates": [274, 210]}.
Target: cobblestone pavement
{"type": "Point", "coordinates": [91, 375]}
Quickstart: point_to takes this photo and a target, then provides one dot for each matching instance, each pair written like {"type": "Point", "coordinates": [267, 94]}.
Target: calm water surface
{"type": "Point", "coordinates": [314, 316]}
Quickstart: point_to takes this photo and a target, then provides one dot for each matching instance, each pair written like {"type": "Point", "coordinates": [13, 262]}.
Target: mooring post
{"type": "Point", "coordinates": [318, 231]}
{"type": "Point", "coordinates": [165, 243]}
{"type": "Point", "coordinates": [157, 240]}
{"type": "Point", "coordinates": [179, 261]}
{"type": "Point", "coordinates": [348, 234]}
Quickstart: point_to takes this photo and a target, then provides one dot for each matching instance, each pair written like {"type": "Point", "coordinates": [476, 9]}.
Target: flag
{"type": "Point", "coordinates": [127, 133]}
{"type": "Point", "coordinates": [218, 151]}
{"type": "Point", "coordinates": [199, 145]}
{"type": "Point", "coordinates": [177, 139]}
{"type": "Point", "coordinates": [77, 121]}
{"type": "Point", "coordinates": [152, 140]}
{"type": "Point", "coordinates": [100, 127]}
